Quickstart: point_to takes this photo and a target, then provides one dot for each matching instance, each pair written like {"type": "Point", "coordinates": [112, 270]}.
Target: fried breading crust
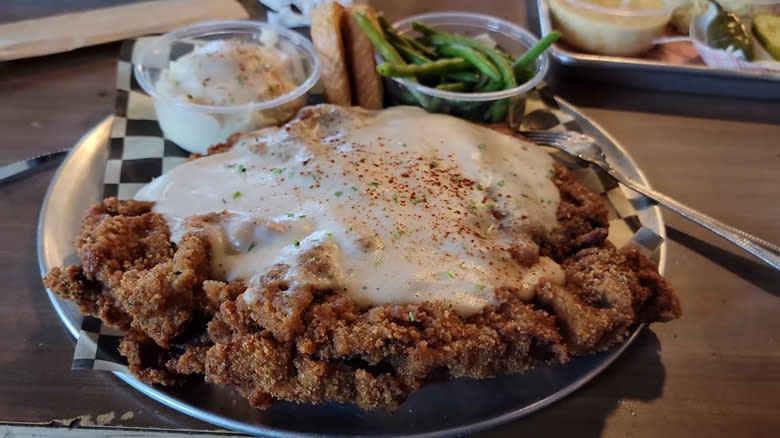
{"type": "Point", "coordinates": [276, 339]}
{"type": "Point", "coordinates": [374, 358]}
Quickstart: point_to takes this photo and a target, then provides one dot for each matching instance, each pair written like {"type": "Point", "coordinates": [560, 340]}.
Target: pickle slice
{"type": "Point", "coordinates": [766, 27]}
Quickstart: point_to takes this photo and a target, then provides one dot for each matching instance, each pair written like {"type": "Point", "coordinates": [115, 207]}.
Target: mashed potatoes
{"type": "Point", "coordinates": [231, 78]}
{"type": "Point", "coordinates": [227, 73]}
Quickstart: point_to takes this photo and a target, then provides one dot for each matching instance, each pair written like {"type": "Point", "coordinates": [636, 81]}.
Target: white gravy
{"type": "Point", "coordinates": [408, 206]}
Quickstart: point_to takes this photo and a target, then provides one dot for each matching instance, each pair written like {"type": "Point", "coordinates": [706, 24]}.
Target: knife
{"type": "Point", "coordinates": [9, 171]}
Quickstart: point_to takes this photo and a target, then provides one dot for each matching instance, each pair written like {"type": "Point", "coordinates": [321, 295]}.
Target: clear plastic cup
{"type": "Point", "coordinates": [509, 37]}
{"type": "Point", "coordinates": [196, 126]}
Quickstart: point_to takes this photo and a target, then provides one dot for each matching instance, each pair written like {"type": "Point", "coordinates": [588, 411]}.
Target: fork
{"type": "Point", "coordinates": [586, 149]}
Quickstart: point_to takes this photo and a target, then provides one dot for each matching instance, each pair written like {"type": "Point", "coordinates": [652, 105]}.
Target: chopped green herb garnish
{"type": "Point", "coordinates": [301, 216]}
{"type": "Point", "coordinates": [479, 187]}
{"type": "Point", "coordinates": [241, 169]}
{"type": "Point", "coordinates": [354, 189]}
{"type": "Point", "coordinates": [189, 96]}
{"type": "Point", "coordinates": [482, 146]}
{"type": "Point", "coordinates": [479, 286]}
{"type": "Point", "coordinates": [449, 274]}
{"type": "Point", "coordinates": [277, 171]}
{"type": "Point", "coordinates": [251, 246]}
{"type": "Point", "coordinates": [290, 214]}
{"type": "Point", "coordinates": [311, 259]}
{"type": "Point", "coordinates": [230, 165]}
{"type": "Point", "coordinates": [524, 195]}
{"type": "Point", "coordinates": [329, 234]}
{"type": "Point", "coordinates": [500, 183]}
{"type": "Point", "coordinates": [374, 183]}
{"type": "Point", "coordinates": [339, 193]}
{"type": "Point", "coordinates": [236, 195]}
{"type": "Point", "coordinates": [403, 145]}
{"type": "Point", "coordinates": [297, 243]}
{"type": "Point", "coordinates": [411, 317]}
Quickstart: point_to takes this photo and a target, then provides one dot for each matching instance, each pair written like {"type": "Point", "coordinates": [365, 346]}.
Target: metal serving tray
{"type": "Point", "coordinates": [648, 74]}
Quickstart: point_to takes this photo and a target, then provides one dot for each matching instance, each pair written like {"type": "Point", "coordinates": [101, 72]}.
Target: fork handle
{"type": "Point", "coordinates": [764, 250]}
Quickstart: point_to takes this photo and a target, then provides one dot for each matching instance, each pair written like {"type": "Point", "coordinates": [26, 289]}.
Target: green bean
{"type": "Point", "coordinates": [403, 43]}
{"type": "Point", "coordinates": [497, 57]}
{"type": "Point", "coordinates": [497, 111]}
{"type": "Point", "coordinates": [492, 85]}
{"type": "Point", "coordinates": [453, 86]}
{"type": "Point", "coordinates": [423, 28]}
{"type": "Point", "coordinates": [463, 76]}
{"type": "Point", "coordinates": [435, 105]}
{"type": "Point", "coordinates": [411, 55]}
{"type": "Point", "coordinates": [499, 61]}
{"type": "Point", "coordinates": [440, 66]}
{"type": "Point", "coordinates": [504, 67]}
{"type": "Point", "coordinates": [385, 25]}
{"type": "Point", "coordinates": [453, 63]}
{"type": "Point", "coordinates": [378, 40]}
{"type": "Point", "coordinates": [385, 49]}
{"type": "Point", "coordinates": [390, 35]}
{"type": "Point", "coordinates": [407, 98]}
{"type": "Point", "coordinates": [524, 74]}
{"type": "Point", "coordinates": [472, 57]}
{"type": "Point", "coordinates": [420, 47]}
{"type": "Point", "coordinates": [530, 56]}
{"type": "Point", "coordinates": [482, 82]}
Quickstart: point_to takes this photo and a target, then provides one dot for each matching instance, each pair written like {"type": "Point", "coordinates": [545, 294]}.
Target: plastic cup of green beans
{"type": "Point", "coordinates": [468, 65]}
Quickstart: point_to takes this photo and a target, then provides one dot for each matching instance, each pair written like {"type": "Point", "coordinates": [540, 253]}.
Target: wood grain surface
{"type": "Point", "coordinates": [715, 372]}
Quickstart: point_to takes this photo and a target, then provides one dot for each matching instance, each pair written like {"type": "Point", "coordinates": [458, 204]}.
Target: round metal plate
{"type": "Point", "coordinates": [445, 409]}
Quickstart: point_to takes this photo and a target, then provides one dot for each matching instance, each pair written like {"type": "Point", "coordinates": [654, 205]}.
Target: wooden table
{"type": "Point", "coordinates": [715, 372]}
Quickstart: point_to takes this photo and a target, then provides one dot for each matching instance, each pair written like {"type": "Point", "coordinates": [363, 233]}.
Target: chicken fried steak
{"type": "Point", "coordinates": [300, 302]}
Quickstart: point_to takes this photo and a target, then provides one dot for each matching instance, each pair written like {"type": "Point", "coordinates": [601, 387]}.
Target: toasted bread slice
{"type": "Point", "coordinates": [326, 35]}
{"type": "Point", "coordinates": [366, 83]}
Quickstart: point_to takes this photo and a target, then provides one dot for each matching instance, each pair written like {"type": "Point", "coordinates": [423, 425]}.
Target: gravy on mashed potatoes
{"type": "Point", "coordinates": [228, 78]}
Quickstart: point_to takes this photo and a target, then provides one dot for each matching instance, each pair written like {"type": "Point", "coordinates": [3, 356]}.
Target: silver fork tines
{"type": "Point", "coordinates": [587, 149]}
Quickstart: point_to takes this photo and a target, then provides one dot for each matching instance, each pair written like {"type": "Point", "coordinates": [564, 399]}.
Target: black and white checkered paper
{"type": "Point", "coordinates": [139, 153]}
